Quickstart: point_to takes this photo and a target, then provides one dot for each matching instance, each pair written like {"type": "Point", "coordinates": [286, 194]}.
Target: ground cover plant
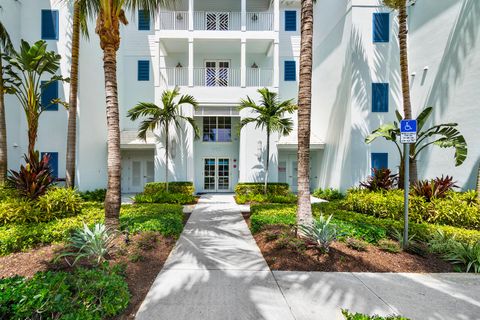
{"type": "Point", "coordinates": [328, 194]}
{"type": "Point", "coordinates": [254, 193]}
{"type": "Point", "coordinates": [358, 316]}
{"type": "Point", "coordinates": [178, 193]}
{"type": "Point", "coordinates": [97, 195]}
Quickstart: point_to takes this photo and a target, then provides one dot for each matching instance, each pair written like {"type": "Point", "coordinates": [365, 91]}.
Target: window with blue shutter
{"type": "Point", "coordinates": [143, 20]}
{"type": "Point", "coordinates": [49, 93]}
{"type": "Point", "coordinates": [381, 27]}
{"type": "Point", "coordinates": [379, 161]}
{"type": "Point", "coordinates": [50, 24]}
{"type": "Point", "coordinates": [380, 92]}
{"type": "Point", "coordinates": [290, 20]}
{"type": "Point", "coordinates": [53, 162]}
{"type": "Point", "coordinates": [143, 70]}
{"type": "Point", "coordinates": [290, 72]}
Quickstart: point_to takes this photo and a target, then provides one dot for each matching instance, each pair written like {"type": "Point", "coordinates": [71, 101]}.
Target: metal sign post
{"type": "Point", "coordinates": [408, 134]}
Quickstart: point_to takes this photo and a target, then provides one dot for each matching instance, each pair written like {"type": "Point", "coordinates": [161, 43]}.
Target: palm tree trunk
{"type": "Point", "coordinates": [3, 131]}
{"type": "Point", "coordinates": [267, 161]}
{"type": "Point", "coordinates": [113, 197]}
{"type": "Point", "coordinates": [304, 211]}
{"type": "Point", "coordinates": [478, 182]}
{"type": "Point", "coordinates": [72, 110]}
{"type": "Point", "coordinates": [166, 155]}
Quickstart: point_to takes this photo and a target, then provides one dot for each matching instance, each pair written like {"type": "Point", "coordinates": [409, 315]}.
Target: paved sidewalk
{"type": "Point", "coordinates": [216, 272]}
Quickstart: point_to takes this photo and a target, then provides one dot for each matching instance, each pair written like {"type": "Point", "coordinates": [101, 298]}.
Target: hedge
{"type": "Point", "coordinates": [457, 209]}
{"type": "Point", "coordinates": [166, 219]}
{"type": "Point", "coordinates": [165, 197]}
{"type": "Point", "coordinates": [245, 188]}
{"type": "Point", "coordinates": [184, 187]}
{"type": "Point", "coordinates": [352, 223]}
{"type": "Point", "coordinates": [262, 198]}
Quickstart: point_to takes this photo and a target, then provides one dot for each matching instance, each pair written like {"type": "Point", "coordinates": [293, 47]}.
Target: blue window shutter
{"type": "Point", "coordinates": [380, 161]}
{"type": "Point", "coordinates": [143, 20]}
{"type": "Point", "coordinates": [49, 93]}
{"type": "Point", "coordinates": [143, 70]}
{"type": "Point", "coordinates": [290, 20]}
{"type": "Point", "coordinates": [290, 72]}
{"type": "Point", "coordinates": [380, 93]}
{"type": "Point", "coordinates": [381, 27]}
{"type": "Point", "coordinates": [53, 162]}
{"type": "Point", "coordinates": [50, 24]}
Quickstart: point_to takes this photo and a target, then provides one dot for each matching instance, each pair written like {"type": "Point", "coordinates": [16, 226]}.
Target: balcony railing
{"type": "Point", "coordinates": [217, 77]}
{"type": "Point", "coordinates": [216, 21]}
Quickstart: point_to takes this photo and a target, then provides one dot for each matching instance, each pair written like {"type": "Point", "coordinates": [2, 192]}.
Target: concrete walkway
{"type": "Point", "coordinates": [216, 271]}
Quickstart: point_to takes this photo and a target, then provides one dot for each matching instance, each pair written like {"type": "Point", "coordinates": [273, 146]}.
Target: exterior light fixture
{"type": "Point", "coordinates": [179, 65]}
{"type": "Point", "coordinates": [254, 66]}
{"type": "Point", "coordinates": [179, 16]}
{"type": "Point", "coordinates": [254, 17]}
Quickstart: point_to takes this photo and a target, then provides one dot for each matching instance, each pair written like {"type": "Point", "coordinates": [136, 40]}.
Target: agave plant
{"type": "Point", "coordinates": [436, 188]}
{"type": "Point", "coordinates": [443, 135]}
{"type": "Point", "coordinates": [34, 178]}
{"type": "Point", "coordinates": [321, 233]}
{"type": "Point", "coordinates": [92, 244]}
{"type": "Point", "coordinates": [382, 179]}
{"type": "Point", "coordinates": [466, 254]}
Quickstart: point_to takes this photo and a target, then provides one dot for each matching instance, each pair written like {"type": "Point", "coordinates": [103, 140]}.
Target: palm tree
{"type": "Point", "coordinates": [72, 102]}
{"type": "Point", "coordinates": [269, 116]}
{"type": "Point", "coordinates": [31, 69]}
{"type": "Point", "coordinates": [109, 14]}
{"type": "Point", "coordinates": [304, 209]}
{"type": "Point", "coordinates": [164, 118]}
{"type": "Point", "coordinates": [5, 47]}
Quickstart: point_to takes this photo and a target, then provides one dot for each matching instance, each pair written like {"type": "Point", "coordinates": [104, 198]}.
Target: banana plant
{"type": "Point", "coordinates": [443, 135]}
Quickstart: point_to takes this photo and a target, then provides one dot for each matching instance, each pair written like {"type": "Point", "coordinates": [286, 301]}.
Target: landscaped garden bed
{"type": "Point", "coordinates": [252, 192]}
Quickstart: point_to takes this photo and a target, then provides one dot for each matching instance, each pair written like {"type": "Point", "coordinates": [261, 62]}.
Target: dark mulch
{"type": "Point", "coordinates": [283, 251]}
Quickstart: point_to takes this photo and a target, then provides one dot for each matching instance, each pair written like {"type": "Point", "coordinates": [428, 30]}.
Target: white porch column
{"type": "Point", "coordinates": [276, 15]}
{"type": "Point", "coordinates": [243, 63]}
{"type": "Point", "coordinates": [190, 62]}
{"type": "Point", "coordinates": [190, 14]}
{"type": "Point", "coordinates": [244, 15]}
{"type": "Point", "coordinates": [276, 64]}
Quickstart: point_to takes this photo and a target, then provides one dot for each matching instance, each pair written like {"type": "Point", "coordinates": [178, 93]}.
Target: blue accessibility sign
{"type": "Point", "coordinates": [407, 126]}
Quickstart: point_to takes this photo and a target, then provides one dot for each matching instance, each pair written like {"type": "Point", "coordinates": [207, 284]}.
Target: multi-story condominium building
{"type": "Point", "coordinates": [222, 51]}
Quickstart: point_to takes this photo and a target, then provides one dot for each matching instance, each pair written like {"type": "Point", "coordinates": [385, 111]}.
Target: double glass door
{"type": "Point", "coordinates": [216, 172]}
{"type": "Point", "coordinates": [217, 73]}
{"type": "Point", "coordinates": [141, 173]}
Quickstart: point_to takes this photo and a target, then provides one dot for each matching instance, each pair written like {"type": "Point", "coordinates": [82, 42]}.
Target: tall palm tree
{"type": "Point", "coordinates": [109, 14]}
{"type": "Point", "coordinates": [304, 209]}
{"type": "Point", "coordinates": [401, 7]}
{"type": "Point", "coordinates": [269, 117]}
{"type": "Point", "coordinates": [165, 118]}
{"type": "Point", "coordinates": [5, 47]}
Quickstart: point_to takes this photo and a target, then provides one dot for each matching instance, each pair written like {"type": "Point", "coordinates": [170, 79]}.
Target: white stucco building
{"type": "Point", "coordinates": [222, 51]}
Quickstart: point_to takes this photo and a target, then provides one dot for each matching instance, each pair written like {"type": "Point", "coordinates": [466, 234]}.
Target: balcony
{"type": "Point", "coordinates": [217, 77]}
{"type": "Point", "coordinates": [216, 21]}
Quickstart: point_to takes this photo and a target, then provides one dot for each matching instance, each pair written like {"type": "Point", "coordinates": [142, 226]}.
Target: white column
{"type": "Point", "coordinates": [276, 15]}
{"type": "Point", "coordinates": [243, 63]}
{"type": "Point", "coordinates": [190, 62]}
{"type": "Point", "coordinates": [190, 14]}
{"type": "Point", "coordinates": [244, 15]}
{"type": "Point", "coordinates": [276, 64]}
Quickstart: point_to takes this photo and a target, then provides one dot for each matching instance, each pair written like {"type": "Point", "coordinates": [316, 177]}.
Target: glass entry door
{"type": "Point", "coordinates": [216, 174]}
{"type": "Point", "coordinates": [142, 172]}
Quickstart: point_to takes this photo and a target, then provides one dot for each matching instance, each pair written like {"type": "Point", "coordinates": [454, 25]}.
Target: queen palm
{"type": "Point", "coordinates": [109, 14]}
{"type": "Point", "coordinates": [304, 209]}
{"type": "Point", "coordinates": [269, 116]}
{"type": "Point", "coordinates": [165, 118]}
{"type": "Point", "coordinates": [5, 47]}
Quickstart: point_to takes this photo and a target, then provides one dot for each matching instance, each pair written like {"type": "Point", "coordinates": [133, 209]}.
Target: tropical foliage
{"type": "Point", "coordinates": [435, 188]}
{"type": "Point", "coordinates": [443, 135]}
{"type": "Point", "coordinates": [165, 118]}
{"type": "Point", "coordinates": [382, 179]}
{"type": "Point", "coordinates": [321, 233]}
{"type": "Point", "coordinates": [269, 115]}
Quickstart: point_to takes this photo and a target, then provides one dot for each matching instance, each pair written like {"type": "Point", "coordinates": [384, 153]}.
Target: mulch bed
{"type": "Point", "coordinates": [283, 251]}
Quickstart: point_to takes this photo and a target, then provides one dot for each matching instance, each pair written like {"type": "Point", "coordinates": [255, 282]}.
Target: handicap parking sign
{"type": "Point", "coordinates": [408, 131]}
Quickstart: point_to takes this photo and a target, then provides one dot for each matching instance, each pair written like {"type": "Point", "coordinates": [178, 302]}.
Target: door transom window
{"type": "Point", "coordinates": [217, 129]}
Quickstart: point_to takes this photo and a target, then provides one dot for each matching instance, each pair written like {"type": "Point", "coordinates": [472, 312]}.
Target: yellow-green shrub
{"type": "Point", "coordinates": [60, 202]}
{"type": "Point", "coordinates": [246, 188]}
{"type": "Point", "coordinates": [184, 187]}
{"type": "Point", "coordinates": [19, 210]}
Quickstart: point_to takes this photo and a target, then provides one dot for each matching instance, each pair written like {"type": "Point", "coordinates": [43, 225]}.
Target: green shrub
{"type": "Point", "coordinates": [60, 202]}
{"type": "Point", "coordinates": [322, 233]}
{"type": "Point", "coordinates": [356, 244]}
{"type": "Point", "coordinates": [271, 214]}
{"type": "Point", "coordinates": [466, 255]}
{"type": "Point", "coordinates": [173, 187]}
{"type": "Point", "coordinates": [441, 243]}
{"type": "Point", "coordinates": [456, 209]}
{"type": "Point", "coordinates": [262, 198]}
{"type": "Point", "coordinates": [245, 188]}
{"type": "Point", "coordinates": [328, 194]}
{"type": "Point", "coordinates": [359, 316]}
{"type": "Point", "coordinates": [166, 219]}
{"type": "Point", "coordinates": [7, 193]}
{"type": "Point", "coordinates": [164, 197]}
{"type": "Point", "coordinates": [97, 195]}
{"type": "Point", "coordinates": [389, 246]}
{"type": "Point", "coordinates": [19, 210]}
{"type": "Point", "coordinates": [85, 294]}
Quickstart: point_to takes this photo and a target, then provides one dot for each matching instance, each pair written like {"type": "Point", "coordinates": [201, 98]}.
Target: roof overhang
{"type": "Point", "coordinates": [130, 140]}
{"type": "Point", "coordinates": [290, 142]}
